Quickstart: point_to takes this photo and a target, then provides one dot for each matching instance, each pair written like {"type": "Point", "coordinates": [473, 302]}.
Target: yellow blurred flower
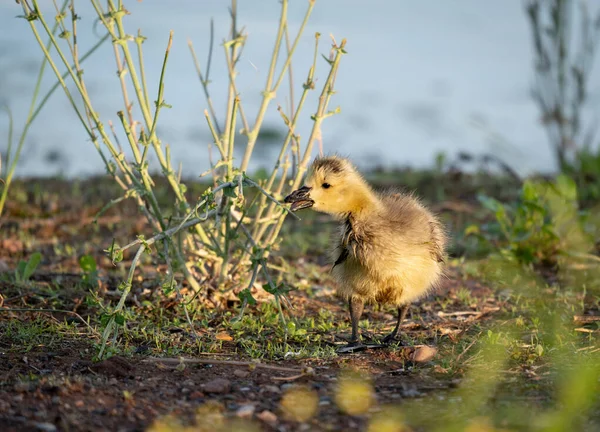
{"type": "Point", "coordinates": [354, 394]}
{"type": "Point", "coordinates": [299, 404]}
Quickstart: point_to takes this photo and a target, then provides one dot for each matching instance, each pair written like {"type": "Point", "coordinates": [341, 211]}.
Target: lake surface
{"type": "Point", "coordinates": [419, 78]}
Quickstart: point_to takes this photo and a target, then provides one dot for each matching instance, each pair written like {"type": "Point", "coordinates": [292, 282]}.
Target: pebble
{"type": "Point", "coordinates": [46, 427]}
{"type": "Point", "coordinates": [245, 411]}
{"type": "Point", "coordinates": [268, 417]}
{"type": "Point", "coordinates": [423, 354]}
{"type": "Point", "coordinates": [240, 373]}
{"type": "Point", "coordinates": [219, 385]}
{"type": "Point", "coordinates": [196, 395]}
{"type": "Point", "coordinates": [272, 388]}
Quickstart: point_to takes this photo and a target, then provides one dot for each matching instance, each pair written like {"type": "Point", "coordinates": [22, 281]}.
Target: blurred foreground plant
{"type": "Point", "coordinates": [225, 237]}
{"type": "Point", "coordinates": [542, 227]}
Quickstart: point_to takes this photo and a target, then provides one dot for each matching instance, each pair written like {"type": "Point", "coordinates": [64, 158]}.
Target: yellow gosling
{"type": "Point", "coordinates": [390, 249]}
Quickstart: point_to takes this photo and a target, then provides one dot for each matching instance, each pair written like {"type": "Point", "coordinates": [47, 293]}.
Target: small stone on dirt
{"type": "Point", "coordinates": [245, 411]}
{"type": "Point", "coordinates": [240, 373]}
{"type": "Point", "coordinates": [423, 354]}
{"type": "Point", "coordinates": [219, 385]}
{"type": "Point", "coordinates": [46, 427]}
{"type": "Point", "coordinates": [196, 395]}
{"type": "Point", "coordinates": [4, 268]}
{"type": "Point", "coordinates": [268, 417]}
{"type": "Point", "coordinates": [272, 389]}
{"type": "Point", "coordinates": [114, 366]}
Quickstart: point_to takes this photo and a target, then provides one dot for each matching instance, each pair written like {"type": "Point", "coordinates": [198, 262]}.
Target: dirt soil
{"type": "Point", "coordinates": [54, 384]}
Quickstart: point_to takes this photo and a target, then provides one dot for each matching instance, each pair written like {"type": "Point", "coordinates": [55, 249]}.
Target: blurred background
{"type": "Point", "coordinates": [420, 79]}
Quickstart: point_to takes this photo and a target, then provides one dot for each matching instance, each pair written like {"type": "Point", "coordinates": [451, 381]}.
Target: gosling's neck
{"type": "Point", "coordinates": [362, 204]}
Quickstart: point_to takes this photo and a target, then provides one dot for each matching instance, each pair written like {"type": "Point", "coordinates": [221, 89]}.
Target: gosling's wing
{"type": "Point", "coordinates": [413, 224]}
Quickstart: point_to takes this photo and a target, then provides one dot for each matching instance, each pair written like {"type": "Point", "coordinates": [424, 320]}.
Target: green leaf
{"type": "Point", "coordinates": [120, 319]}
{"type": "Point", "coordinates": [229, 192]}
{"type": "Point", "coordinates": [490, 203]}
{"type": "Point", "coordinates": [168, 286]}
{"type": "Point", "coordinates": [19, 271]}
{"type": "Point", "coordinates": [529, 192]}
{"type": "Point", "coordinates": [87, 263]}
{"type": "Point", "coordinates": [31, 265]}
{"type": "Point", "coordinates": [104, 319]}
{"type": "Point", "coordinates": [472, 230]}
{"type": "Point", "coordinates": [267, 287]}
{"type": "Point", "coordinates": [123, 286]}
{"type": "Point", "coordinates": [246, 297]}
{"type": "Point", "coordinates": [114, 252]}
{"type": "Point", "coordinates": [566, 187]}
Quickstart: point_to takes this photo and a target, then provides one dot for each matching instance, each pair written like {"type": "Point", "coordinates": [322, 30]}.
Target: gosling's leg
{"type": "Point", "coordinates": [402, 310]}
{"type": "Point", "coordinates": [356, 306]}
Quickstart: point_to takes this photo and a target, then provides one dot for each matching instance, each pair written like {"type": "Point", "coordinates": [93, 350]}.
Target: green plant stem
{"type": "Point", "coordinates": [270, 89]}
{"type": "Point", "coordinates": [258, 230]}
{"type": "Point", "coordinates": [316, 129]}
{"type": "Point", "coordinates": [11, 167]}
{"type": "Point", "coordinates": [204, 81]}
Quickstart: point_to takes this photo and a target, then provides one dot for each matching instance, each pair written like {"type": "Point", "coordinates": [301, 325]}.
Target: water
{"type": "Point", "coordinates": [418, 79]}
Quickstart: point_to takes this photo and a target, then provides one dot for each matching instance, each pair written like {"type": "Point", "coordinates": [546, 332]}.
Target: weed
{"type": "Point", "coordinates": [26, 269]}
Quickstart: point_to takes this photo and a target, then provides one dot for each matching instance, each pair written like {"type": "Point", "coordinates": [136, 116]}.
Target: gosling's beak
{"type": "Point", "coordinates": [299, 199]}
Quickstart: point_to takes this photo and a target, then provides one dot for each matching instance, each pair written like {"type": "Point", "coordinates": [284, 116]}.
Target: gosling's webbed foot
{"type": "Point", "coordinates": [352, 347]}
{"type": "Point", "coordinates": [358, 346]}
{"type": "Point", "coordinates": [393, 338]}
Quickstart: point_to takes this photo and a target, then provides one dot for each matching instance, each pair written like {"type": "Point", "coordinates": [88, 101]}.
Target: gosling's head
{"type": "Point", "coordinates": [332, 186]}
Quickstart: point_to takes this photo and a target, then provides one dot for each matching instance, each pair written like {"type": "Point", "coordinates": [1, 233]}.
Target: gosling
{"type": "Point", "coordinates": [389, 250]}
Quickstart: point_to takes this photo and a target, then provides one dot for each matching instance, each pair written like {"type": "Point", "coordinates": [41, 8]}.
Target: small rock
{"type": "Point", "coordinates": [185, 390]}
{"type": "Point", "coordinates": [55, 400]}
{"type": "Point", "coordinates": [40, 414]}
{"type": "Point", "coordinates": [245, 411]}
{"type": "Point", "coordinates": [272, 389]}
{"type": "Point", "coordinates": [423, 354]}
{"type": "Point", "coordinates": [240, 373]}
{"type": "Point", "coordinates": [244, 389]}
{"type": "Point", "coordinates": [4, 268]}
{"type": "Point", "coordinates": [196, 395]}
{"type": "Point", "coordinates": [188, 383]}
{"type": "Point", "coordinates": [219, 385]}
{"type": "Point", "coordinates": [268, 417]}
{"type": "Point", "coordinates": [46, 427]}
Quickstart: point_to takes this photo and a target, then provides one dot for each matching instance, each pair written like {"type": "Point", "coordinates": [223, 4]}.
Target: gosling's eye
{"type": "Point", "coordinates": [325, 185]}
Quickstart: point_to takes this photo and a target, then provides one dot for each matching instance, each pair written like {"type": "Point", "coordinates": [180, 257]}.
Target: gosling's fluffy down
{"type": "Point", "coordinates": [390, 248]}
{"type": "Point", "coordinates": [391, 253]}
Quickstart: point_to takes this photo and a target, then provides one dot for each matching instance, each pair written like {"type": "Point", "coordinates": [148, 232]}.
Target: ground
{"type": "Point", "coordinates": [250, 373]}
